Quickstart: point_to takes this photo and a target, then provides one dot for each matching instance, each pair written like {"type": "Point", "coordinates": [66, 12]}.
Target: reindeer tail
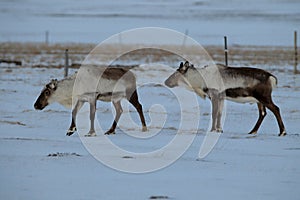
{"type": "Point", "coordinates": [273, 81]}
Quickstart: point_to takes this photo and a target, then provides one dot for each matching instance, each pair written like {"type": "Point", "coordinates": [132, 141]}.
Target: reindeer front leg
{"type": "Point", "coordinates": [93, 105]}
{"type": "Point", "coordinates": [217, 107]}
{"type": "Point", "coordinates": [119, 111]}
{"type": "Point", "coordinates": [219, 115]}
{"type": "Point", "coordinates": [75, 110]}
{"type": "Point", "coordinates": [214, 114]}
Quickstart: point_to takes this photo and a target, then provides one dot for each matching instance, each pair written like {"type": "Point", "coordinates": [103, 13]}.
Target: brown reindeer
{"type": "Point", "coordinates": [239, 84]}
{"type": "Point", "coordinates": [114, 84]}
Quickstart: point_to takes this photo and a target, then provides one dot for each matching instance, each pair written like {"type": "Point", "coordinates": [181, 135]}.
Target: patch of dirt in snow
{"type": "Point", "coordinates": [12, 122]}
{"type": "Point", "coordinates": [159, 197]}
{"type": "Point", "coordinates": [58, 154]}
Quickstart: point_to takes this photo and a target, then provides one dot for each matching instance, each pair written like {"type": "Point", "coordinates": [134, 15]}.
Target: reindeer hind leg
{"type": "Point", "coordinates": [133, 99]}
{"type": "Point", "coordinates": [267, 102]}
{"type": "Point", "coordinates": [276, 111]}
{"type": "Point", "coordinates": [262, 113]}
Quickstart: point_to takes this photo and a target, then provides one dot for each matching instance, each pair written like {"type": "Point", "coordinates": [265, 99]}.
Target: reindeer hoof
{"type": "Point", "coordinates": [282, 134]}
{"type": "Point", "coordinates": [218, 130]}
{"type": "Point", "coordinates": [252, 132]}
{"type": "Point", "coordinates": [144, 129]}
{"type": "Point", "coordinates": [71, 131]}
{"type": "Point", "coordinates": [109, 132]}
{"type": "Point", "coordinates": [90, 134]}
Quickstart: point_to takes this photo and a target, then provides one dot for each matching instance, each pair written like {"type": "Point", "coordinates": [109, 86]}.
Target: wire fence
{"type": "Point", "coordinates": [54, 55]}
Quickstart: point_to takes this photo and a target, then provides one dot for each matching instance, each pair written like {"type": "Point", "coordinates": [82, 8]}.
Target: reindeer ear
{"type": "Point", "coordinates": [183, 68]}
{"type": "Point", "coordinates": [53, 84]}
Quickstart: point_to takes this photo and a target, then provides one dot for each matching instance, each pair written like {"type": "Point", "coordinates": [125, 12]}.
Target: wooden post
{"type": "Point", "coordinates": [66, 63]}
{"type": "Point", "coordinates": [47, 37]}
{"type": "Point", "coordinates": [185, 36]}
{"type": "Point", "coordinates": [120, 48]}
{"type": "Point", "coordinates": [120, 39]}
{"type": "Point", "coordinates": [296, 53]}
{"type": "Point", "coordinates": [226, 50]}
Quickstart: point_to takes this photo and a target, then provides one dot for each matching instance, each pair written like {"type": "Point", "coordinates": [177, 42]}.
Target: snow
{"type": "Point", "coordinates": [240, 166]}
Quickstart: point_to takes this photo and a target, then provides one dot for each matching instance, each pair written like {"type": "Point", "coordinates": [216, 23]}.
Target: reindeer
{"type": "Point", "coordinates": [239, 84]}
{"type": "Point", "coordinates": [113, 85]}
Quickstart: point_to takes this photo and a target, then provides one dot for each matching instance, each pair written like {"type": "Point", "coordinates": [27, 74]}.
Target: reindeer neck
{"type": "Point", "coordinates": [64, 91]}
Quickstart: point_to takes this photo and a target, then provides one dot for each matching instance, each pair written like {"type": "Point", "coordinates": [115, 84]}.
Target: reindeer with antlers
{"type": "Point", "coordinates": [114, 84]}
{"type": "Point", "coordinates": [239, 84]}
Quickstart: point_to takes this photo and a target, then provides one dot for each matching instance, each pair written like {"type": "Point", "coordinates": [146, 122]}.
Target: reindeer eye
{"type": "Point", "coordinates": [181, 71]}
{"type": "Point", "coordinates": [47, 92]}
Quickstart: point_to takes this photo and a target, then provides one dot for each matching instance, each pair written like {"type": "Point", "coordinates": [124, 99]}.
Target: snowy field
{"type": "Point", "coordinates": [37, 160]}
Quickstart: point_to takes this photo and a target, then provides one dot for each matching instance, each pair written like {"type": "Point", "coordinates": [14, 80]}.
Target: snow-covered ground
{"type": "Point", "coordinates": [37, 160]}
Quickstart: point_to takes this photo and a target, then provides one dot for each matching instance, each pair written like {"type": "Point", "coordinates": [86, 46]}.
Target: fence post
{"type": "Point", "coordinates": [47, 37]}
{"type": "Point", "coordinates": [185, 36]}
{"type": "Point", "coordinates": [226, 50]}
{"type": "Point", "coordinates": [296, 53]}
{"type": "Point", "coordinates": [66, 63]}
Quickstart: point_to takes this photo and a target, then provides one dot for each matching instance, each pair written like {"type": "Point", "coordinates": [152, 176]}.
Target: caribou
{"type": "Point", "coordinates": [239, 84]}
{"type": "Point", "coordinates": [112, 85]}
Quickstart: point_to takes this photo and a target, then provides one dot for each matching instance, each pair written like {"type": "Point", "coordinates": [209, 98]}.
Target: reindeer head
{"type": "Point", "coordinates": [179, 76]}
{"type": "Point", "coordinates": [42, 100]}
